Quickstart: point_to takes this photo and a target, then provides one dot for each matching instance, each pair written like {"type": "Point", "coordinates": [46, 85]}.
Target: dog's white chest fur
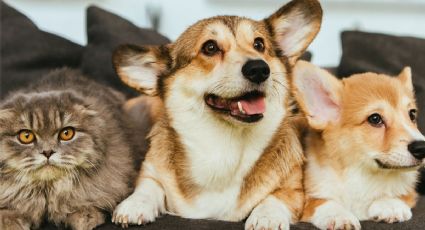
{"type": "Point", "coordinates": [220, 156]}
{"type": "Point", "coordinates": [356, 189]}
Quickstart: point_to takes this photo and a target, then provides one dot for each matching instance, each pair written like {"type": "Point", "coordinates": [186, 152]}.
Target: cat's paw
{"type": "Point", "coordinates": [271, 214]}
{"type": "Point", "coordinates": [333, 216]}
{"type": "Point", "coordinates": [136, 209]}
{"type": "Point", "coordinates": [389, 211]}
{"type": "Point", "coordinates": [86, 219]}
{"type": "Point", "coordinates": [10, 220]}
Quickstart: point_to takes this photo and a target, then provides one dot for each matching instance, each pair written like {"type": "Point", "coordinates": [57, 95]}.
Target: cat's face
{"type": "Point", "coordinates": [45, 136]}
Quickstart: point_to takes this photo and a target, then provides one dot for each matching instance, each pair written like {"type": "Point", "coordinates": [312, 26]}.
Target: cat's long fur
{"type": "Point", "coordinates": [76, 196]}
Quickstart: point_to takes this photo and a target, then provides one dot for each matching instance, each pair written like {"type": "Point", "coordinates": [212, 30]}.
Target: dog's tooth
{"type": "Point", "coordinates": [241, 108]}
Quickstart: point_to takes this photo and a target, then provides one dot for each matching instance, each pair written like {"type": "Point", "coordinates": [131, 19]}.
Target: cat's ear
{"type": "Point", "coordinates": [405, 77]}
{"type": "Point", "coordinates": [294, 26]}
{"type": "Point", "coordinates": [318, 93]}
{"type": "Point", "coordinates": [140, 66]}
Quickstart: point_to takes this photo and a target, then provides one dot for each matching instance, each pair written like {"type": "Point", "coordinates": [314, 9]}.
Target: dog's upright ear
{"type": "Point", "coordinates": [318, 93]}
{"type": "Point", "coordinates": [141, 66]}
{"type": "Point", "coordinates": [294, 26]}
{"type": "Point", "coordinates": [405, 77]}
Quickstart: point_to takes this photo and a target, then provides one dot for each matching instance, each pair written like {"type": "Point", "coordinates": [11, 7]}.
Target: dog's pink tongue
{"type": "Point", "coordinates": [254, 105]}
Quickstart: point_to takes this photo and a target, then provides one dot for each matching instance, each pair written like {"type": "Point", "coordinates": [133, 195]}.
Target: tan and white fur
{"type": "Point", "coordinates": [206, 163]}
{"type": "Point", "coordinates": [360, 161]}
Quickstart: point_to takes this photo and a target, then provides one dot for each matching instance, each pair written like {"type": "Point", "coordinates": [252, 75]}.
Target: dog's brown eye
{"type": "Point", "coordinates": [412, 114]}
{"type": "Point", "coordinates": [375, 120]}
{"type": "Point", "coordinates": [67, 134]}
{"type": "Point", "coordinates": [26, 136]}
{"type": "Point", "coordinates": [210, 48]}
{"type": "Point", "coordinates": [259, 44]}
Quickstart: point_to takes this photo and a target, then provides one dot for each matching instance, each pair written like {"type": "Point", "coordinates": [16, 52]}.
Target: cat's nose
{"type": "Point", "coordinates": [48, 153]}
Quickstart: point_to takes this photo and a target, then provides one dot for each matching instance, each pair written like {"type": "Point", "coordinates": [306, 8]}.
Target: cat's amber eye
{"type": "Point", "coordinates": [66, 134]}
{"type": "Point", "coordinates": [26, 136]}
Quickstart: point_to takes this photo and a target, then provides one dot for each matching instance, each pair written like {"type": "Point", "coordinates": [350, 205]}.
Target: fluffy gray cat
{"type": "Point", "coordinates": [65, 153]}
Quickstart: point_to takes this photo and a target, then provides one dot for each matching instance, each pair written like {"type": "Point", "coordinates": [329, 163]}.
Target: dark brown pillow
{"type": "Point", "coordinates": [105, 32]}
{"type": "Point", "coordinates": [28, 53]}
{"type": "Point", "coordinates": [362, 52]}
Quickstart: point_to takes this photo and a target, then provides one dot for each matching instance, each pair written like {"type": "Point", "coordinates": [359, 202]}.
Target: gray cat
{"type": "Point", "coordinates": [65, 153]}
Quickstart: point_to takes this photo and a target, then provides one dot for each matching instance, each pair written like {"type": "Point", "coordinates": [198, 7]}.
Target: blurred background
{"type": "Point", "coordinates": [170, 17]}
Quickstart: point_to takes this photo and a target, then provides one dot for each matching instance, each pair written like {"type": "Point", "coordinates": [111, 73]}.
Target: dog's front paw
{"type": "Point", "coordinates": [269, 214]}
{"type": "Point", "coordinates": [10, 220]}
{"type": "Point", "coordinates": [86, 219]}
{"type": "Point", "coordinates": [333, 216]}
{"type": "Point", "coordinates": [136, 209]}
{"type": "Point", "coordinates": [390, 211]}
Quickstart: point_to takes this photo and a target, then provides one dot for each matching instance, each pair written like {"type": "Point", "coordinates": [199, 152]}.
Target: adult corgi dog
{"type": "Point", "coordinates": [364, 150]}
{"type": "Point", "coordinates": [223, 145]}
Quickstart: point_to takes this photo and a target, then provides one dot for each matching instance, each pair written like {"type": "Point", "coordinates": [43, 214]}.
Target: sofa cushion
{"type": "Point", "coordinates": [105, 32]}
{"type": "Point", "coordinates": [28, 53]}
{"type": "Point", "coordinates": [362, 52]}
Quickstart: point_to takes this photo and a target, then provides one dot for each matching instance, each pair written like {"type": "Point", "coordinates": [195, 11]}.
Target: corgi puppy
{"type": "Point", "coordinates": [223, 145]}
{"type": "Point", "coordinates": [365, 148]}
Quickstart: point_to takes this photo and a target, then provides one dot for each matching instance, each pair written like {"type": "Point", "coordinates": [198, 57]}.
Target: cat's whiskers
{"type": "Point", "coordinates": [93, 165]}
{"type": "Point", "coordinates": [22, 174]}
{"type": "Point", "coordinates": [67, 175]}
{"type": "Point", "coordinates": [70, 175]}
{"type": "Point", "coordinates": [25, 163]}
{"type": "Point", "coordinates": [77, 176]}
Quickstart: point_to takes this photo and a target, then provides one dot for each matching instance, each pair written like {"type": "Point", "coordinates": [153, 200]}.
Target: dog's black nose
{"type": "Point", "coordinates": [417, 149]}
{"type": "Point", "coordinates": [48, 153]}
{"type": "Point", "coordinates": [256, 71]}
